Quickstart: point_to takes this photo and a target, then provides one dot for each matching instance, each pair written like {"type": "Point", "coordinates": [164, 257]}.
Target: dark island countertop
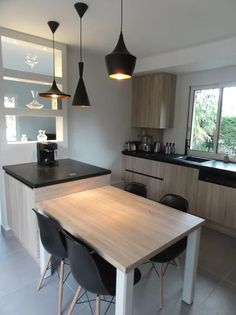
{"type": "Point", "coordinates": [212, 166]}
{"type": "Point", "coordinates": [35, 176]}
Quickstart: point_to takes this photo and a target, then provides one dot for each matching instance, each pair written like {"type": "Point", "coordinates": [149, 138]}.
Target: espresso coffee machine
{"type": "Point", "coordinates": [46, 153]}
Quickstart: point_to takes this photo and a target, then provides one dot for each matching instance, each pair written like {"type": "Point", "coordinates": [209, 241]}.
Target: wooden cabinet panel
{"type": "Point", "coordinates": [182, 181]}
{"type": "Point", "coordinates": [143, 166]}
{"type": "Point", "coordinates": [20, 200]}
{"type": "Point", "coordinates": [21, 219]}
{"type": "Point", "coordinates": [177, 179]}
{"type": "Point", "coordinates": [217, 203]}
{"type": "Point", "coordinates": [153, 184]}
{"type": "Point", "coordinates": [153, 98]}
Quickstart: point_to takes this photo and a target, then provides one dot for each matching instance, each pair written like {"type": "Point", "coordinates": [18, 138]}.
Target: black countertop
{"type": "Point", "coordinates": [212, 166]}
{"type": "Point", "coordinates": [34, 175]}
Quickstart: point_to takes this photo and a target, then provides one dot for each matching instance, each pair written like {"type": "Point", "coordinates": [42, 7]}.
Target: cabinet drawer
{"type": "Point", "coordinates": [153, 185]}
{"type": "Point", "coordinates": [143, 166]}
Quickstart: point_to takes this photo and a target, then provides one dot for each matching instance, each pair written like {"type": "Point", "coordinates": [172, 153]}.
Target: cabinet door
{"type": "Point", "coordinates": [153, 98]}
{"type": "Point", "coordinates": [140, 100]}
{"type": "Point", "coordinates": [153, 185]}
{"type": "Point", "coordinates": [182, 181]}
{"type": "Point", "coordinates": [217, 203]}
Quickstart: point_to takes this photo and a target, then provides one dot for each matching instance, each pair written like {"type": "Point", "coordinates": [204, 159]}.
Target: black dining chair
{"type": "Point", "coordinates": [137, 189]}
{"type": "Point", "coordinates": [55, 244]}
{"type": "Point", "coordinates": [92, 273]}
{"type": "Point", "coordinates": [171, 253]}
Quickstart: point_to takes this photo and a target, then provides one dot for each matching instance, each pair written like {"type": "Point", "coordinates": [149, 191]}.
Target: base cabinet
{"type": "Point", "coordinates": [163, 178]}
{"type": "Point", "coordinates": [181, 180]}
{"type": "Point", "coordinates": [217, 203]}
{"type": "Point", "coordinates": [153, 185]}
{"type": "Point", "coordinates": [20, 200]}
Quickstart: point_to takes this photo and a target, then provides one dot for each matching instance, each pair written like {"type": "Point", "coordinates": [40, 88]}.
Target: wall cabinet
{"type": "Point", "coordinates": [153, 98]}
{"type": "Point", "coordinates": [217, 203]}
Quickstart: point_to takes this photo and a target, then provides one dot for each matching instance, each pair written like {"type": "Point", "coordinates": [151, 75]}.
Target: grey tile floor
{"type": "Point", "coordinates": [215, 286]}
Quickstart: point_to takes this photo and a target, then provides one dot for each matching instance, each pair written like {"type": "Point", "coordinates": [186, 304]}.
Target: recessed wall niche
{"type": "Point", "coordinates": [26, 128]}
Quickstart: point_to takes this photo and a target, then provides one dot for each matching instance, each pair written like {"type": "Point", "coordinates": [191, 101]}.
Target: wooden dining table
{"type": "Point", "coordinates": [127, 230]}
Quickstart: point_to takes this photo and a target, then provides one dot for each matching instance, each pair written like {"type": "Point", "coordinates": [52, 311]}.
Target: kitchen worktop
{"type": "Point", "coordinates": [35, 176]}
{"type": "Point", "coordinates": [214, 166]}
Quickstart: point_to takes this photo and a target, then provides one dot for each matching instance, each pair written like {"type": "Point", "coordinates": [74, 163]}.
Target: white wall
{"type": "Point", "coordinates": [184, 82]}
{"type": "Point", "coordinates": [97, 135]}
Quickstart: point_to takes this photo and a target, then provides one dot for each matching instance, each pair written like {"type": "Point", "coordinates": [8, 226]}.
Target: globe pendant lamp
{"type": "Point", "coordinates": [81, 97]}
{"type": "Point", "coordinates": [120, 63]}
{"type": "Point", "coordinates": [54, 91]}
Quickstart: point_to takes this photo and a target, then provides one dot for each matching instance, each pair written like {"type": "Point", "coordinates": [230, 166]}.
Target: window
{"type": "Point", "coordinates": [213, 128]}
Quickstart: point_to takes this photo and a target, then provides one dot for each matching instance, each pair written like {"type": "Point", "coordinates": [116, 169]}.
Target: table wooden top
{"type": "Point", "coordinates": [123, 228]}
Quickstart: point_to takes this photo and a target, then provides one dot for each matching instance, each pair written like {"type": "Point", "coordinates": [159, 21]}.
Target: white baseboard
{"type": "Point", "coordinates": [6, 231]}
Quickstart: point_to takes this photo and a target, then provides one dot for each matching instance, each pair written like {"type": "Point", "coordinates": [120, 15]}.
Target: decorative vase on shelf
{"type": "Point", "coordinates": [24, 138]}
{"type": "Point", "coordinates": [42, 137]}
{"type": "Point", "coordinates": [35, 104]}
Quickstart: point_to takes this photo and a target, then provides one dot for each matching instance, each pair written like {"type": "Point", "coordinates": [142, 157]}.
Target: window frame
{"type": "Point", "coordinates": [214, 154]}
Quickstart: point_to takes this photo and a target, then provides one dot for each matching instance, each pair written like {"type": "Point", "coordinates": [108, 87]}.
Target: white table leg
{"type": "Point", "coordinates": [124, 292]}
{"type": "Point", "coordinates": [43, 260]}
{"type": "Point", "coordinates": [191, 262]}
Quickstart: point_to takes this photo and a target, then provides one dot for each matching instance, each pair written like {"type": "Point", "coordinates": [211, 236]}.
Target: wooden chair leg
{"type": "Point", "coordinates": [161, 274]}
{"type": "Point", "coordinates": [43, 274]}
{"type": "Point", "coordinates": [60, 292]}
{"type": "Point", "coordinates": [179, 267]}
{"type": "Point", "coordinates": [98, 305]}
{"type": "Point", "coordinates": [77, 294]}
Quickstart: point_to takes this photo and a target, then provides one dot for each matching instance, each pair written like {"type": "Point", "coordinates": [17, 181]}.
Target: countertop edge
{"type": "Point", "coordinates": [175, 160]}
{"type": "Point", "coordinates": [55, 182]}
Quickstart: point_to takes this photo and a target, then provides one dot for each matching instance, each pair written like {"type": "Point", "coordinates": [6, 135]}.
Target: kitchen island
{"type": "Point", "coordinates": [29, 183]}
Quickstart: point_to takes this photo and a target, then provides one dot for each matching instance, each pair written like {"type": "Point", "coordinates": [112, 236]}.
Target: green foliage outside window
{"type": "Point", "coordinates": [205, 135]}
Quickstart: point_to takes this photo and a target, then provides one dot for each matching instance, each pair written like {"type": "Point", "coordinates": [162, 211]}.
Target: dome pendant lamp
{"type": "Point", "coordinates": [54, 92]}
{"type": "Point", "coordinates": [81, 97]}
{"type": "Point", "coordinates": [120, 63]}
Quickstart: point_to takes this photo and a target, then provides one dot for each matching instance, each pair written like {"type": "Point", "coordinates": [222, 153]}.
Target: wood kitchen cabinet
{"type": "Point", "coordinates": [144, 171]}
{"type": "Point", "coordinates": [163, 178]}
{"type": "Point", "coordinates": [182, 181]}
{"type": "Point", "coordinates": [217, 203]}
{"type": "Point", "coordinates": [153, 98]}
{"type": "Point", "coordinates": [20, 200]}
{"type": "Point", "coordinates": [153, 185]}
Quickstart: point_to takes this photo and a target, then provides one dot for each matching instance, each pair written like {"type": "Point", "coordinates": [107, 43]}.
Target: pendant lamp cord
{"type": "Point", "coordinates": [80, 39]}
{"type": "Point", "coordinates": [53, 61]}
{"type": "Point", "coordinates": [121, 15]}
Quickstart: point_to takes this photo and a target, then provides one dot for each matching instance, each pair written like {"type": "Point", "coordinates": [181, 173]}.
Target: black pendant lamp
{"type": "Point", "coordinates": [81, 97]}
{"type": "Point", "coordinates": [54, 92]}
{"type": "Point", "coordinates": [120, 63]}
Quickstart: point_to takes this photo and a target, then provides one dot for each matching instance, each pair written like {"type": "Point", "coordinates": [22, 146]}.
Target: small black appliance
{"type": "Point", "coordinates": [46, 152]}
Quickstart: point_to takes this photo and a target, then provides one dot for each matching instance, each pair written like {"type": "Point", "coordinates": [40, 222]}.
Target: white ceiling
{"type": "Point", "coordinates": [150, 27]}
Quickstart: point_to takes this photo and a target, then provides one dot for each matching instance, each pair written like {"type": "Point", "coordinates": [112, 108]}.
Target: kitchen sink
{"type": "Point", "coordinates": [193, 158]}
